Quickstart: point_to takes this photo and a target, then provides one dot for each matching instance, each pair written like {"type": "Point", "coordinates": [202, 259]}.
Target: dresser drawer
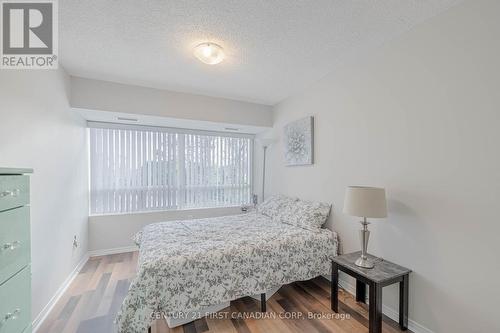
{"type": "Point", "coordinates": [14, 191]}
{"type": "Point", "coordinates": [15, 307]}
{"type": "Point", "coordinates": [14, 241]}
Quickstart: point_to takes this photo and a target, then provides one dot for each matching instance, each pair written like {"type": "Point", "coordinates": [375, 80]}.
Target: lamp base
{"type": "Point", "coordinates": [364, 236]}
{"type": "Point", "coordinates": [364, 262]}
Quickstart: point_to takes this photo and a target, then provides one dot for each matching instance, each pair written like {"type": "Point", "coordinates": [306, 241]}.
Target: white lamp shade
{"type": "Point", "coordinates": [365, 202]}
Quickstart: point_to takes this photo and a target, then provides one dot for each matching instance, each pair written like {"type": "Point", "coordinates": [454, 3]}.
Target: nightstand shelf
{"type": "Point", "coordinates": [383, 274]}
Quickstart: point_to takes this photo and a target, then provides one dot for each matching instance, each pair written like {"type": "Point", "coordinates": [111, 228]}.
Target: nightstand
{"type": "Point", "coordinates": [383, 274]}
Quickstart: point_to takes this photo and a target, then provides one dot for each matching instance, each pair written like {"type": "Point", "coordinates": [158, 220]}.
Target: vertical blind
{"type": "Point", "coordinates": [138, 168]}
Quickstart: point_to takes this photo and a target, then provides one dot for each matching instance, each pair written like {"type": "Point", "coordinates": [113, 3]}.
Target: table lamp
{"type": "Point", "coordinates": [365, 202]}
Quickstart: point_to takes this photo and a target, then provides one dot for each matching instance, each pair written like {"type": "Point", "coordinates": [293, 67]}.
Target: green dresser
{"type": "Point", "coordinates": [15, 251]}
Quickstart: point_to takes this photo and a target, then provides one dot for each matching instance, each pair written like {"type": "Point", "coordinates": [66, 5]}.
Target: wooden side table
{"type": "Point", "coordinates": [383, 274]}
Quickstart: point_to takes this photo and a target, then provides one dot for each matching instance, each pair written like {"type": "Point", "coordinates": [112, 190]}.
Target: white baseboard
{"type": "Point", "coordinates": [412, 325]}
{"type": "Point", "coordinates": [388, 311]}
{"type": "Point", "coordinates": [37, 322]}
{"type": "Point", "coordinates": [116, 250]}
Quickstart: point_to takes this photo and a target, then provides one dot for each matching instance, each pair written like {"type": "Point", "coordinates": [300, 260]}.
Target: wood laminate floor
{"type": "Point", "coordinates": [94, 297]}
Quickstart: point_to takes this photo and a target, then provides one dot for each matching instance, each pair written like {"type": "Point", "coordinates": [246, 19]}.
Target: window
{"type": "Point", "coordinates": [139, 168]}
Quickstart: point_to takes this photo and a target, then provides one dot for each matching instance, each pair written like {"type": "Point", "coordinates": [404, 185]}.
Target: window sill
{"type": "Point", "coordinates": [169, 211]}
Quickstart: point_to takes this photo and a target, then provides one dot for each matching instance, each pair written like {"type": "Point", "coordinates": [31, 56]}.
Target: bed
{"type": "Point", "coordinates": [187, 266]}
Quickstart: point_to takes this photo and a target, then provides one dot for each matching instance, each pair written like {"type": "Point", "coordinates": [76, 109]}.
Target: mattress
{"type": "Point", "coordinates": [185, 266]}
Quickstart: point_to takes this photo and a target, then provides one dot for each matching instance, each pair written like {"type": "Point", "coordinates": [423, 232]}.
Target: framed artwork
{"type": "Point", "coordinates": [299, 142]}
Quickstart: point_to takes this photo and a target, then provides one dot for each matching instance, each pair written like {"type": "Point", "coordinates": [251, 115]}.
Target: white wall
{"type": "Point", "coordinates": [115, 97]}
{"type": "Point", "coordinates": [421, 117]}
{"type": "Point", "coordinates": [38, 131]}
{"type": "Point", "coordinates": [109, 232]}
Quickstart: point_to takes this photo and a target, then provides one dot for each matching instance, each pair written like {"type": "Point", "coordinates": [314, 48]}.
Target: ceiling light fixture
{"type": "Point", "coordinates": [209, 53]}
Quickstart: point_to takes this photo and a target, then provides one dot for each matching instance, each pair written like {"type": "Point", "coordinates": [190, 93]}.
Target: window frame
{"type": "Point", "coordinates": [171, 130]}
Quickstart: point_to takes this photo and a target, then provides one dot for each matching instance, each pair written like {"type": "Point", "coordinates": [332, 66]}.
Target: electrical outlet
{"type": "Point", "coordinates": [75, 242]}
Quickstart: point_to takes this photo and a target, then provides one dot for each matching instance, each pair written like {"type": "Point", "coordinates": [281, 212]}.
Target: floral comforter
{"type": "Point", "coordinates": [189, 265]}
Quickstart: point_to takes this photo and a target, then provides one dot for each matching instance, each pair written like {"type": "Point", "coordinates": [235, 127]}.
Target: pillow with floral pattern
{"type": "Point", "coordinates": [305, 214]}
{"type": "Point", "coordinates": [274, 205]}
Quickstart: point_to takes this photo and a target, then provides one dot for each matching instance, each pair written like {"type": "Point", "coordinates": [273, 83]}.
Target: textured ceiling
{"type": "Point", "coordinates": [274, 48]}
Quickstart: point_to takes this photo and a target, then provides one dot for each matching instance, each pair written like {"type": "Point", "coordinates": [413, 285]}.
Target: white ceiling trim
{"type": "Point", "coordinates": [167, 122]}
